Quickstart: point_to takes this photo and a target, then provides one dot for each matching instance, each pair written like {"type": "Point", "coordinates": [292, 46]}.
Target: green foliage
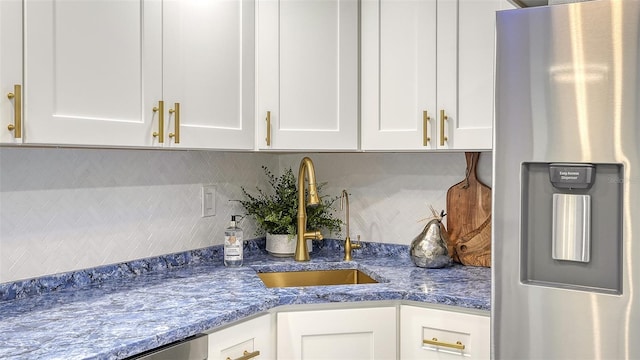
{"type": "Point", "coordinates": [276, 211]}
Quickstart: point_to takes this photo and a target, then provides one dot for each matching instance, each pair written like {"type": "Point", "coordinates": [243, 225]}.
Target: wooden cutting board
{"type": "Point", "coordinates": [468, 208]}
{"type": "Point", "coordinates": [474, 248]}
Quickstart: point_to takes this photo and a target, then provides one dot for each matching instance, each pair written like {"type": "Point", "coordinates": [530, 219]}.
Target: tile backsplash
{"type": "Point", "coordinates": [64, 209]}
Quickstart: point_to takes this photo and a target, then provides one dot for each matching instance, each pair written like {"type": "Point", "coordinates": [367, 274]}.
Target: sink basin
{"type": "Point", "coordinates": [315, 278]}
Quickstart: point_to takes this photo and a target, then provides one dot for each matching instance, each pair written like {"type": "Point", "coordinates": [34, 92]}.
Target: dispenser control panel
{"type": "Point", "coordinates": [571, 176]}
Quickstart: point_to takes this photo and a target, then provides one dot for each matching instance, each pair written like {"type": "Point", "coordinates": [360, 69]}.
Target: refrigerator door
{"type": "Point", "coordinates": [567, 91]}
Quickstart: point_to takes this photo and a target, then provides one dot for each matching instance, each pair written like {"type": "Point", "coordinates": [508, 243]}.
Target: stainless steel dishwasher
{"type": "Point", "coordinates": [192, 348]}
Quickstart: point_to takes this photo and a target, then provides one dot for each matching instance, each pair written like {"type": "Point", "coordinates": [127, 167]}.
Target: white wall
{"type": "Point", "coordinates": [69, 209]}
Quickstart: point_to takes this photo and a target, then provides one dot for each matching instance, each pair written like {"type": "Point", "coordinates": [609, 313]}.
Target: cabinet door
{"type": "Point", "coordinates": [446, 332]}
{"type": "Point", "coordinates": [209, 70]}
{"type": "Point", "coordinates": [93, 72]}
{"type": "Point", "coordinates": [249, 338]}
{"type": "Point", "coordinates": [10, 71]}
{"type": "Point", "coordinates": [307, 74]}
{"type": "Point", "coordinates": [466, 48]}
{"type": "Point", "coordinates": [337, 334]}
{"type": "Point", "coordinates": [398, 91]}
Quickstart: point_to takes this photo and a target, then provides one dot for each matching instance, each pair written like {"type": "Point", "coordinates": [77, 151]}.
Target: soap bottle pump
{"type": "Point", "coordinates": [233, 244]}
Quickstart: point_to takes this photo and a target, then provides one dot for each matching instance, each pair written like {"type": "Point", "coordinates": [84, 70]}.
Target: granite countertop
{"type": "Point", "coordinates": [127, 315]}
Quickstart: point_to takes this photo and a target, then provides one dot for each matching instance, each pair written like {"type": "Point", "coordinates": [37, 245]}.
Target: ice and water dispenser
{"type": "Point", "coordinates": [571, 221]}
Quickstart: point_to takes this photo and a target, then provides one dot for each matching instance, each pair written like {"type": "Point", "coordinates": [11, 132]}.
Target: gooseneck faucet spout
{"type": "Point", "coordinates": [348, 245]}
{"type": "Point", "coordinates": [344, 198]}
{"type": "Point", "coordinates": [306, 169]}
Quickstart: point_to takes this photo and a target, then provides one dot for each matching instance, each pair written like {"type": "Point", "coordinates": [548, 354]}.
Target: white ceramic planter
{"type": "Point", "coordinates": [283, 245]}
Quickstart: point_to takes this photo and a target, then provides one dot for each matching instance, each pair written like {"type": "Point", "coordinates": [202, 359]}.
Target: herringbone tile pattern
{"type": "Point", "coordinates": [68, 209]}
{"type": "Point", "coordinates": [389, 193]}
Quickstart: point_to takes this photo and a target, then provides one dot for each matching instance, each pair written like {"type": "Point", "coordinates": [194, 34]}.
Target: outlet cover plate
{"type": "Point", "coordinates": [208, 200]}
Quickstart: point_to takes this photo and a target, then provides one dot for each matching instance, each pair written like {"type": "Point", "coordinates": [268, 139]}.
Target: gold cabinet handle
{"type": "Point", "coordinates": [160, 110]}
{"type": "Point", "coordinates": [434, 341]}
{"type": "Point", "coordinates": [176, 121]}
{"type": "Point", "coordinates": [246, 355]}
{"type": "Point", "coordinates": [425, 126]}
{"type": "Point", "coordinates": [443, 117]}
{"type": "Point", "coordinates": [16, 95]}
{"type": "Point", "coordinates": [268, 128]}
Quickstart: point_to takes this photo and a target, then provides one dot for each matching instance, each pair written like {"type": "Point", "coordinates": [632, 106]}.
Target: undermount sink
{"type": "Point", "coordinates": [315, 278]}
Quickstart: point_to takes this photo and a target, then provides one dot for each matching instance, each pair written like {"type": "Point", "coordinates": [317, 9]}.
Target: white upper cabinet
{"type": "Point", "coordinates": [247, 74]}
{"type": "Point", "coordinates": [140, 73]}
{"type": "Point", "coordinates": [209, 71]}
{"type": "Point", "coordinates": [398, 74]}
{"type": "Point", "coordinates": [10, 71]}
{"type": "Point", "coordinates": [93, 72]}
{"type": "Point", "coordinates": [466, 70]}
{"type": "Point", "coordinates": [427, 74]}
{"type": "Point", "coordinates": [307, 74]}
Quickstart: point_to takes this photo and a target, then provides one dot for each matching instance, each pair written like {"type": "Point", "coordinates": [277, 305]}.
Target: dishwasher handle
{"type": "Point", "coordinates": [191, 348]}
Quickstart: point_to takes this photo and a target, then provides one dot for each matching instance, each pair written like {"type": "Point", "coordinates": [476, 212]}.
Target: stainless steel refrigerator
{"type": "Point", "coordinates": [566, 182]}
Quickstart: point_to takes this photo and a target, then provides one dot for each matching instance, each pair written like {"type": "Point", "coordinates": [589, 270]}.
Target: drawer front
{"type": "Point", "coordinates": [251, 339]}
{"type": "Point", "coordinates": [440, 334]}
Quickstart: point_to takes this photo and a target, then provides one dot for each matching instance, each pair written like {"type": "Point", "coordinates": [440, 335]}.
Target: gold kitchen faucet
{"type": "Point", "coordinates": [306, 168]}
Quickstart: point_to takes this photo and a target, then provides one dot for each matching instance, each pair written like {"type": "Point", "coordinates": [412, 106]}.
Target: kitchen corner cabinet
{"type": "Point", "coordinates": [10, 71]}
{"type": "Point", "coordinates": [427, 333]}
{"type": "Point", "coordinates": [139, 73]}
{"type": "Point", "coordinates": [307, 74]}
{"type": "Point", "coordinates": [362, 333]}
{"type": "Point", "coordinates": [251, 339]}
{"type": "Point", "coordinates": [427, 74]}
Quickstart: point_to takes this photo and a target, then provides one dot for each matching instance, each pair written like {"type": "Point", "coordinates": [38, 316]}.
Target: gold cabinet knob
{"type": "Point", "coordinates": [160, 133]}
{"type": "Point", "coordinates": [268, 119]}
{"type": "Point", "coordinates": [16, 96]}
{"type": "Point", "coordinates": [443, 118]}
{"type": "Point", "coordinates": [175, 111]}
{"type": "Point", "coordinates": [425, 125]}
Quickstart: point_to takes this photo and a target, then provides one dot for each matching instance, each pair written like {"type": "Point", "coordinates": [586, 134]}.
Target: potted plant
{"type": "Point", "coordinates": [276, 211]}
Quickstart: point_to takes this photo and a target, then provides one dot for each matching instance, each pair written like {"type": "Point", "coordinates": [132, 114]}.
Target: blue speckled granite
{"type": "Point", "coordinates": [81, 278]}
{"type": "Point", "coordinates": [106, 317]}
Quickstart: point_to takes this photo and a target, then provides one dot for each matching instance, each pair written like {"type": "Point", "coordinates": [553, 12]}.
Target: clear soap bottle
{"type": "Point", "coordinates": [233, 244]}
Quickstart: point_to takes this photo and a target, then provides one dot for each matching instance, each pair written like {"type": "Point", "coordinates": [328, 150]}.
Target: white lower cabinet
{"type": "Point", "coordinates": [251, 339]}
{"type": "Point", "coordinates": [373, 332]}
{"type": "Point", "coordinates": [361, 333]}
{"type": "Point", "coordinates": [427, 333]}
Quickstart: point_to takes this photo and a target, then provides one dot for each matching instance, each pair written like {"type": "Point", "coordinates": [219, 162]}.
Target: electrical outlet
{"type": "Point", "coordinates": [208, 200]}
